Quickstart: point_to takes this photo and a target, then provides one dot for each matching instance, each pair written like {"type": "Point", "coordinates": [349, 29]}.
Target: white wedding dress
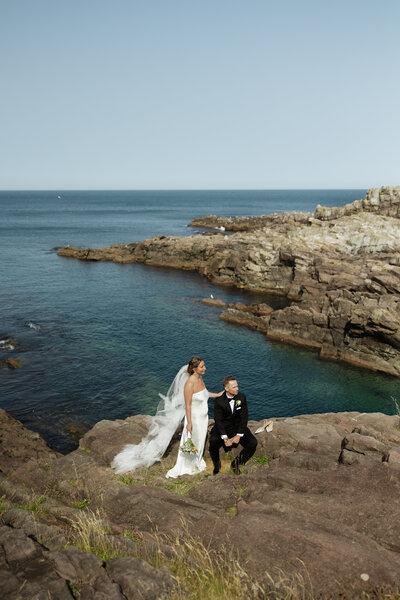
{"type": "Point", "coordinates": [170, 413]}
{"type": "Point", "coordinates": [190, 464]}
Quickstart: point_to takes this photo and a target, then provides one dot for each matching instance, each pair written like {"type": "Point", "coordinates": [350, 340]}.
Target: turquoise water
{"type": "Point", "coordinates": [99, 340]}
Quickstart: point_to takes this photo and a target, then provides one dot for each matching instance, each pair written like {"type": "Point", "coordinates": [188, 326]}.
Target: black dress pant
{"type": "Point", "coordinates": [248, 441]}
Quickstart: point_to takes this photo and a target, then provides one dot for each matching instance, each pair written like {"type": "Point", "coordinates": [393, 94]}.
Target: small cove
{"type": "Point", "coordinates": [108, 338]}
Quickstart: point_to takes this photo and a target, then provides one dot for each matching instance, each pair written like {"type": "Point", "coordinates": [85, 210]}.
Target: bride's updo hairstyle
{"type": "Point", "coordinates": [193, 364]}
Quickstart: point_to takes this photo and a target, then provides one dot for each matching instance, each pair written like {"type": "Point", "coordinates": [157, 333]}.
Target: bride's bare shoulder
{"type": "Point", "coordinates": [190, 383]}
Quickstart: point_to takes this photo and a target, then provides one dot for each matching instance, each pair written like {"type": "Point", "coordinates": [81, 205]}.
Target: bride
{"type": "Point", "coordinates": [187, 397]}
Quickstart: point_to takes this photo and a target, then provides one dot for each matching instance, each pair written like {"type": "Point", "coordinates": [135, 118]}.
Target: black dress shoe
{"type": "Point", "coordinates": [235, 466]}
{"type": "Point", "coordinates": [216, 468]}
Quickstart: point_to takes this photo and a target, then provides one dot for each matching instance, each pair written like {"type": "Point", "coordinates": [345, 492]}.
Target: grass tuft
{"type": "Point", "coordinates": [131, 536]}
{"type": "Point", "coordinates": [231, 512]}
{"type": "Point", "coordinates": [35, 505]}
{"type": "Point", "coordinates": [202, 572]}
{"type": "Point", "coordinates": [75, 591]}
{"type": "Point", "coordinates": [261, 460]}
{"type": "Point", "coordinates": [91, 534]}
{"type": "Point", "coordinates": [81, 504]}
{"type": "Point", "coordinates": [183, 486]}
{"type": "Point", "coordinates": [125, 480]}
{"type": "Point", "coordinates": [3, 506]}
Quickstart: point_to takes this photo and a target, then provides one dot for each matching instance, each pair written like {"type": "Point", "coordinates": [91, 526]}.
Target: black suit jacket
{"type": "Point", "coordinates": [226, 422]}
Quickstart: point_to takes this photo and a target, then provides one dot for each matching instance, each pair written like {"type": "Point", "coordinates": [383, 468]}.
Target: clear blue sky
{"type": "Point", "coordinates": [192, 94]}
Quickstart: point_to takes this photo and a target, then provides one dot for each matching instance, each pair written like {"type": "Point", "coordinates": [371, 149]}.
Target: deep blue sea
{"type": "Point", "coordinates": [99, 340]}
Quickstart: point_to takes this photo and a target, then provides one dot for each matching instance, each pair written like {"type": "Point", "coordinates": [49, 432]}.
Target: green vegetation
{"type": "Point", "coordinates": [35, 505]}
{"type": "Point", "coordinates": [183, 486]}
{"type": "Point", "coordinates": [231, 512]}
{"type": "Point", "coordinates": [143, 475]}
{"type": "Point", "coordinates": [45, 467]}
{"type": "Point", "coordinates": [261, 460]}
{"type": "Point", "coordinates": [126, 480]}
{"type": "Point", "coordinates": [81, 504]}
{"type": "Point", "coordinates": [85, 449]}
{"type": "Point", "coordinates": [131, 536]}
{"type": "Point", "coordinates": [73, 589]}
{"type": "Point", "coordinates": [73, 482]}
{"type": "Point", "coordinates": [3, 506]}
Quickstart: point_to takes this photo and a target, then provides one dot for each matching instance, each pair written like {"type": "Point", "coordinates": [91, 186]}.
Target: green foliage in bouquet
{"type": "Point", "coordinates": [188, 447]}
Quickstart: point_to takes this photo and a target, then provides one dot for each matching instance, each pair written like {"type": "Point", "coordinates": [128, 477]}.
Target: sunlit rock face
{"type": "Point", "coordinates": [384, 201]}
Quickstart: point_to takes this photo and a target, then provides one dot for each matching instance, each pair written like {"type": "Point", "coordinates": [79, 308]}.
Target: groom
{"type": "Point", "coordinates": [230, 429]}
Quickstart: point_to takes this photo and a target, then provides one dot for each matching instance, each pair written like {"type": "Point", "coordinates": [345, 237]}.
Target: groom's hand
{"type": "Point", "coordinates": [227, 442]}
{"type": "Point", "coordinates": [235, 440]}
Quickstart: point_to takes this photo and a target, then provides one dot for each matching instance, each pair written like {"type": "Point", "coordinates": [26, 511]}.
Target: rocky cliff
{"type": "Point", "coordinates": [340, 267]}
{"type": "Point", "coordinates": [314, 513]}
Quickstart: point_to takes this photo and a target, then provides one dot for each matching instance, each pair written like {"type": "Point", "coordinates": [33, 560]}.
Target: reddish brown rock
{"type": "Point", "coordinates": [138, 579]}
{"type": "Point", "coordinates": [13, 363]}
{"type": "Point", "coordinates": [22, 452]}
{"type": "Point", "coordinates": [319, 502]}
{"type": "Point", "coordinates": [214, 302]}
{"type": "Point", "coordinates": [246, 318]}
{"type": "Point", "coordinates": [24, 572]}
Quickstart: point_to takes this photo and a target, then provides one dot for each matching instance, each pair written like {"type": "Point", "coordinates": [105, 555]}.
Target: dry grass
{"type": "Point", "coordinates": [225, 457]}
{"type": "Point", "coordinates": [91, 533]}
{"type": "Point", "coordinates": [201, 572]}
{"type": "Point", "coordinates": [3, 504]}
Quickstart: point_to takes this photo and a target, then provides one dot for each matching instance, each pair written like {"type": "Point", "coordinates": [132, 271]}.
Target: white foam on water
{"type": "Point", "coordinates": [7, 344]}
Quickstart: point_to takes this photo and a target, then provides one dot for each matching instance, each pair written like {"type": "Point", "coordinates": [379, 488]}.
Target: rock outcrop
{"type": "Point", "coordinates": [254, 316]}
{"type": "Point", "coordinates": [316, 509]}
{"type": "Point", "coordinates": [340, 268]}
{"type": "Point", "coordinates": [383, 201]}
{"type": "Point", "coordinates": [250, 223]}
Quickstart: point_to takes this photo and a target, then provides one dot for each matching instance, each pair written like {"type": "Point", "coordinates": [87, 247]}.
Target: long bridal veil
{"type": "Point", "coordinates": [170, 412]}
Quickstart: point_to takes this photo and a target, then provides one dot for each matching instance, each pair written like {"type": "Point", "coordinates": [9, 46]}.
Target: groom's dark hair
{"type": "Point", "coordinates": [226, 380]}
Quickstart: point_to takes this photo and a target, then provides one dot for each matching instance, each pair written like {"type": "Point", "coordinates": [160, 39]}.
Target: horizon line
{"type": "Point", "coordinates": [183, 189]}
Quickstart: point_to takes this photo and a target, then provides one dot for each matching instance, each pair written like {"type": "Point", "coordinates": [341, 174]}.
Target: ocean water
{"type": "Point", "coordinates": [100, 341]}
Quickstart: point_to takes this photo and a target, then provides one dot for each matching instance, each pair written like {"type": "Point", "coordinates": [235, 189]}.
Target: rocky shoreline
{"type": "Point", "coordinates": [339, 267]}
{"type": "Point", "coordinates": [315, 512]}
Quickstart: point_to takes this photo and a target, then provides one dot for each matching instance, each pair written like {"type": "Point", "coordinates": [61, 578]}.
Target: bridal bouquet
{"type": "Point", "coordinates": [188, 447]}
